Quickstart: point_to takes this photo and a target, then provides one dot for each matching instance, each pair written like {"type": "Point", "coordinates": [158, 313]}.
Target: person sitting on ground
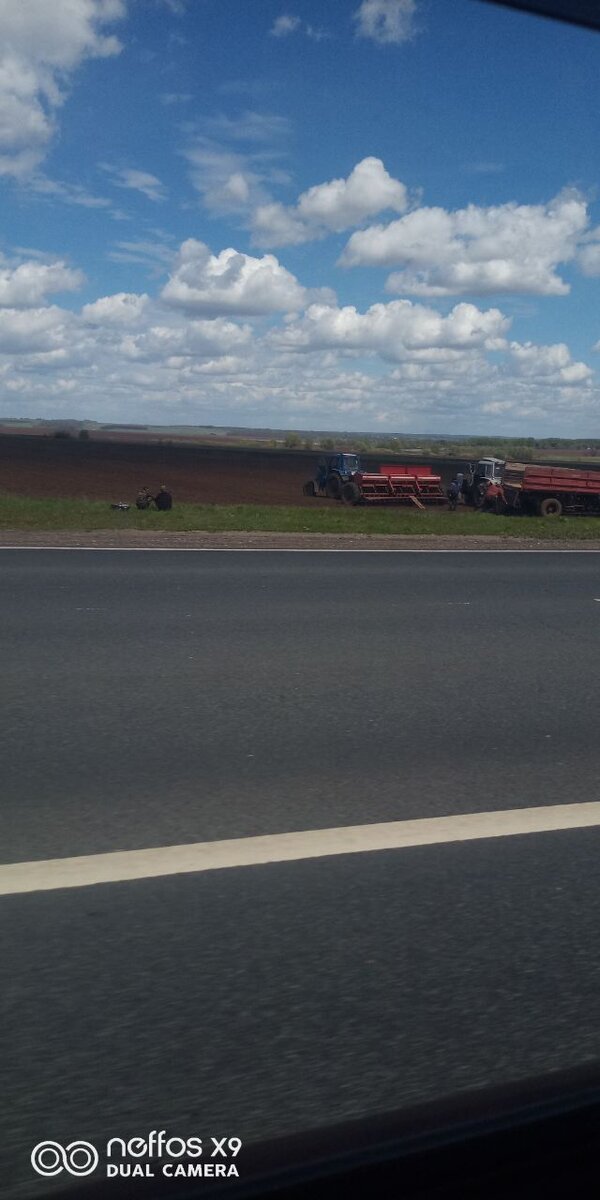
{"type": "Point", "coordinates": [144, 498]}
{"type": "Point", "coordinates": [163, 500]}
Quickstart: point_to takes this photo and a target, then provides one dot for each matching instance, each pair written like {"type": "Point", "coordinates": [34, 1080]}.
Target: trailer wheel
{"type": "Point", "coordinates": [309, 489]}
{"type": "Point", "coordinates": [351, 493]}
{"type": "Point", "coordinates": [333, 487]}
{"type": "Point", "coordinates": [550, 507]}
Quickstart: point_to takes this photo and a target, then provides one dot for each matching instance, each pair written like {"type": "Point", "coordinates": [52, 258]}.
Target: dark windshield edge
{"type": "Point", "coordinates": [511, 1127]}
{"type": "Point", "coordinates": [573, 12]}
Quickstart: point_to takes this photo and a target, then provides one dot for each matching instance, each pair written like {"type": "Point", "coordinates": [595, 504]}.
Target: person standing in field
{"type": "Point", "coordinates": [467, 487]}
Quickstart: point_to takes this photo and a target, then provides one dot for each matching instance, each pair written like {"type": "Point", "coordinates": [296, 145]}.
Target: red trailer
{"type": "Point", "coordinates": [550, 491]}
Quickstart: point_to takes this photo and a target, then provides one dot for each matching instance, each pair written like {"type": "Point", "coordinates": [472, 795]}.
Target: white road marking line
{"type": "Point", "coordinates": [290, 550]}
{"type": "Point", "coordinates": [290, 847]}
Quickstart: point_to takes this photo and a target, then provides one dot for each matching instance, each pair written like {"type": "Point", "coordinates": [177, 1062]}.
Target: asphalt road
{"type": "Point", "coordinates": [153, 699]}
{"type": "Point", "coordinates": [162, 698]}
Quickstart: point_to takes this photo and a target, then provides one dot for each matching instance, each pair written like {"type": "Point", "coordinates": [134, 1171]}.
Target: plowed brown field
{"type": "Point", "coordinates": [95, 470]}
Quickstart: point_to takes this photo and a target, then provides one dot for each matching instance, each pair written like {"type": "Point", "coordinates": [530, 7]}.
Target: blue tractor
{"type": "Point", "coordinates": [333, 471]}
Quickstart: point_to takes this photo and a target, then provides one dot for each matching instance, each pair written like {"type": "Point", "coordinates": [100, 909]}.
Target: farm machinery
{"type": "Point", "coordinates": [548, 491]}
{"type": "Point", "coordinates": [532, 488]}
{"type": "Point", "coordinates": [480, 477]}
{"type": "Point", "coordinates": [333, 472]}
{"type": "Point", "coordinates": [341, 477]}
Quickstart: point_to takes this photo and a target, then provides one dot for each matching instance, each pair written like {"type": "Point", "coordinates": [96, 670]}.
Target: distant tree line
{"type": "Point", "coordinates": [518, 449]}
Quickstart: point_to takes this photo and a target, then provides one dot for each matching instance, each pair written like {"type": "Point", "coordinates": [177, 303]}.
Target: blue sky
{"type": "Point", "coordinates": [370, 214]}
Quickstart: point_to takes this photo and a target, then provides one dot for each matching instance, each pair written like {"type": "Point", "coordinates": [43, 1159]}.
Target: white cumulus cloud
{"type": "Point", "coordinates": [188, 341]}
{"type": "Point", "coordinates": [386, 21]}
{"type": "Point", "coordinates": [123, 308]}
{"type": "Point", "coordinates": [548, 363]}
{"type": "Point", "coordinates": [28, 331]}
{"type": "Point", "coordinates": [231, 282]}
{"type": "Point", "coordinates": [343, 202]}
{"type": "Point", "coordinates": [28, 284]}
{"type": "Point", "coordinates": [173, 366]}
{"type": "Point", "coordinates": [400, 364]}
{"type": "Point", "coordinates": [505, 248]}
{"type": "Point", "coordinates": [41, 43]}
{"type": "Point", "coordinates": [331, 207]}
{"type": "Point", "coordinates": [395, 330]}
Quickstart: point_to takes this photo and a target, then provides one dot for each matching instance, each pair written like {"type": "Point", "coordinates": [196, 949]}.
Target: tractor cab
{"type": "Point", "coordinates": [480, 476]}
{"type": "Point", "coordinates": [333, 471]}
{"type": "Point", "coordinates": [344, 465]}
{"type": "Point", "coordinates": [489, 469]}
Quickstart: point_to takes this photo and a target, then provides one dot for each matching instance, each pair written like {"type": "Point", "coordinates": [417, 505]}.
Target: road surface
{"type": "Point", "coordinates": [160, 699]}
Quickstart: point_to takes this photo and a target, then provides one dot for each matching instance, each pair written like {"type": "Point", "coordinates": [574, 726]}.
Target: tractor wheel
{"type": "Point", "coordinates": [350, 493]}
{"type": "Point", "coordinates": [309, 489]}
{"type": "Point", "coordinates": [333, 487]}
{"type": "Point", "coordinates": [550, 507]}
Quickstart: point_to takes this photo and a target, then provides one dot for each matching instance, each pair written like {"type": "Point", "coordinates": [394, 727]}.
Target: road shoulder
{"type": "Point", "coordinates": [197, 540]}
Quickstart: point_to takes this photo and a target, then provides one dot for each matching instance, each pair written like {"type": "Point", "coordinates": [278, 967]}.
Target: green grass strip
{"type": "Point", "coordinates": [22, 513]}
